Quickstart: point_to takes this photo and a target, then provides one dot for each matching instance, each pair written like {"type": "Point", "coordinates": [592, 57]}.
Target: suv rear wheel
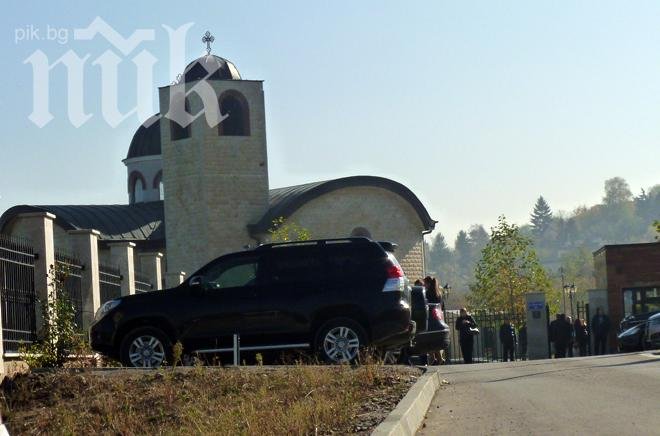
{"type": "Point", "coordinates": [339, 340]}
{"type": "Point", "coordinates": [145, 347]}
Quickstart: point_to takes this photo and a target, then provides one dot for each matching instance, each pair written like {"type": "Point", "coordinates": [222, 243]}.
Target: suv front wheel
{"type": "Point", "coordinates": [145, 347]}
{"type": "Point", "coordinates": [339, 340]}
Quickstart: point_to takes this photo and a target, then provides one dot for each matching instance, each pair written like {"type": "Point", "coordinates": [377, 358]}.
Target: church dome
{"type": "Point", "coordinates": [146, 140]}
{"type": "Point", "coordinates": [218, 68]}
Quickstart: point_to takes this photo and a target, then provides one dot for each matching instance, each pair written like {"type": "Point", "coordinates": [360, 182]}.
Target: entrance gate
{"type": "Point", "coordinates": [487, 344]}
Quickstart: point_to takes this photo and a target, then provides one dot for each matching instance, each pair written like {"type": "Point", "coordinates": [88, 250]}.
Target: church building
{"type": "Point", "coordinates": [197, 190]}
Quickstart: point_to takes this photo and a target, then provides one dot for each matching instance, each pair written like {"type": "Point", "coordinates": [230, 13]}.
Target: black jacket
{"type": "Point", "coordinates": [508, 335]}
{"type": "Point", "coordinates": [463, 325]}
{"type": "Point", "coordinates": [600, 327]}
{"type": "Point", "coordinates": [561, 331]}
{"type": "Point", "coordinates": [581, 332]}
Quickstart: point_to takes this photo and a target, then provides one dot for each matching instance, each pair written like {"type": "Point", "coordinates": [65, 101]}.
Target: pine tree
{"type": "Point", "coordinates": [439, 252]}
{"type": "Point", "coordinates": [541, 217]}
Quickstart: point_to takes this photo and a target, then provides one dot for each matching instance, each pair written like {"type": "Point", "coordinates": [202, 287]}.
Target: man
{"type": "Point", "coordinates": [467, 328]}
{"type": "Point", "coordinates": [560, 335]}
{"type": "Point", "coordinates": [571, 336]}
{"type": "Point", "coordinates": [600, 328]}
{"type": "Point", "coordinates": [508, 339]}
{"type": "Point", "coordinates": [522, 335]}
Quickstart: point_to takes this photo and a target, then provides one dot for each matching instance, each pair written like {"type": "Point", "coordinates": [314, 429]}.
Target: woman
{"type": "Point", "coordinates": [467, 328]}
{"type": "Point", "coordinates": [581, 335]}
{"type": "Point", "coordinates": [434, 296]}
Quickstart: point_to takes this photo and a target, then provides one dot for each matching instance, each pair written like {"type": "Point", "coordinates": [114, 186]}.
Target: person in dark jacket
{"type": "Point", "coordinates": [508, 340]}
{"type": "Point", "coordinates": [560, 335]}
{"type": "Point", "coordinates": [522, 336]}
{"type": "Point", "coordinates": [571, 340]}
{"type": "Point", "coordinates": [467, 328]}
{"type": "Point", "coordinates": [581, 335]}
{"type": "Point", "coordinates": [434, 296]}
{"type": "Point", "coordinates": [600, 328]}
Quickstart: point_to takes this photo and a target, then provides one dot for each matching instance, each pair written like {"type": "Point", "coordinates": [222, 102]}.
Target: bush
{"type": "Point", "coordinates": [59, 336]}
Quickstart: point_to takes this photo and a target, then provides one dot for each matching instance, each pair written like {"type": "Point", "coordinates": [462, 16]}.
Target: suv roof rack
{"type": "Point", "coordinates": [355, 240]}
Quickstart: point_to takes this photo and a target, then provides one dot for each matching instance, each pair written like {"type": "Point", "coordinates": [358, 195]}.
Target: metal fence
{"type": "Point", "coordinates": [142, 283]}
{"type": "Point", "coordinates": [110, 280]}
{"type": "Point", "coordinates": [487, 345]}
{"type": "Point", "coordinates": [17, 291]}
{"type": "Point", "coordinates": [70, 268]}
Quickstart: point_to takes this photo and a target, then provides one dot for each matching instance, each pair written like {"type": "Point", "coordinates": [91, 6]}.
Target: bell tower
{"type": "Point", "coordinates": [215, 165]}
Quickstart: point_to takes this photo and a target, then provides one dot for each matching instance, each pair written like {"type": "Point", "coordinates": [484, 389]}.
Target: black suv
{"type": "Point", "coordinates": [334, 296]}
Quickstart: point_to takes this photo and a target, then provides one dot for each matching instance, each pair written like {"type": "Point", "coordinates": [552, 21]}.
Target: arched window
{"type": "Point", "coordinates": [234, 106]}
{"type": "Point", "coordinates": [361, 232]}
{"type": "Point", "coordinates": [177, 131]}
{"type": "Point", "coordinates": [136, 187]}
{"type": "Point", "coordinates": [158, 184]}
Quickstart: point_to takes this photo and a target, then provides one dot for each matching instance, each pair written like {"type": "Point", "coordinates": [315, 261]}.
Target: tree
{"type": "Point", "coordinates": [439, 252]}
{"type": "Point", "coordinates": [541, 217]}
{"type": "Point", "coordinates": [616, 191]}
{"type": "Point", "coordinates": [288, 231]}
{"type": "Point", "coordinates": [508, 269]}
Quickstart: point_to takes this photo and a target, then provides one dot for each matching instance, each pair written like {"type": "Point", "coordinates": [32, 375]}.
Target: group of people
{"type": "Point", "coordinates": [566, 334]}
{"type": "Point", "coordinates": [468, 329]}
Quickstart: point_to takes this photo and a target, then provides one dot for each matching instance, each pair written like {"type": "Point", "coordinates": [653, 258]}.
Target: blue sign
{"type": "Point", "coordinates": [535, 305]}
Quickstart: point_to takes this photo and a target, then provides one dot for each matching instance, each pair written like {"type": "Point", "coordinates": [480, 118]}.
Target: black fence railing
{"type": "Point", "coordinates": [142, 283]}
{"type": "Point", "coordinates": [110, 281]}
{"type": "Point", "coordinates": [17, 291]}
{"type": "Point", "coordinates": [70, 267]}
{"type": "Point", "coordinates": [487, 346]}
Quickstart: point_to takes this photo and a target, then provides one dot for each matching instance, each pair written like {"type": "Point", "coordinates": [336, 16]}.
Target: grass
{"type": "Point", "coordinates": [295, 400]}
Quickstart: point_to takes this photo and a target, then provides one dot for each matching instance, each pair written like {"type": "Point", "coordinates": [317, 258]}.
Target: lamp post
{"type": "Point", "coordinates": [447, 290]}
{"type": "Point", "coordinates": [563, 285]}
{"type": "Point", "coordinates": [570, 288]}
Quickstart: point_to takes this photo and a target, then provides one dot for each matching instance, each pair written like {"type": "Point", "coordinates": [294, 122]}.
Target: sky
{"type": "Point", "coordinates": [479, 107]}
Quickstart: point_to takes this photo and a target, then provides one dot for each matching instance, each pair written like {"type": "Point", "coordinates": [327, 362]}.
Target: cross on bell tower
{"type": "Point", "coordinates": [208, 39]}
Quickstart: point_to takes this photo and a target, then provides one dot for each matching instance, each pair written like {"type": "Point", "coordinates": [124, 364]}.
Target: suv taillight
{"type": "Point", "coordinates": [396, 280]}
{"type": "Point", "coordinates": [394, 272]}
{"type": "Point", "coordinates": [436, 313]}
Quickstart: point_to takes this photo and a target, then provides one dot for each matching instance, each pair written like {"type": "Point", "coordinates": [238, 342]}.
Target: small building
{"type": "Point", "coordinates": [630, 274]}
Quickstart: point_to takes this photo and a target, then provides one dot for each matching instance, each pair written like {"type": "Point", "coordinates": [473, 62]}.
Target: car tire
{"type": "Point", "coordinates": [145, 347]}
{"type": "Point", "coordinates": [340, 340]}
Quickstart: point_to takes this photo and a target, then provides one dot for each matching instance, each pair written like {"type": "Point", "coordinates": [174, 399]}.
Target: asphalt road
{"type": "Point", "coordinates": [598, 395]}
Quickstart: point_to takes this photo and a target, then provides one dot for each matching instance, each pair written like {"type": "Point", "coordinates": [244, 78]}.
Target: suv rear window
{"type": "Point", "coordinates": [288, 266]}
{"type": "Point", "coordinates": [350, 261]}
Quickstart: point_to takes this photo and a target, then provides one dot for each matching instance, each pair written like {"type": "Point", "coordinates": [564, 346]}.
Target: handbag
{"type": "Point", "coordinates": [474, 331]}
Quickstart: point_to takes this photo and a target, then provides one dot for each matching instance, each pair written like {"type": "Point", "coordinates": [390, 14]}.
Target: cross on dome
{"type": "Point", "coordinates": [208, 39]}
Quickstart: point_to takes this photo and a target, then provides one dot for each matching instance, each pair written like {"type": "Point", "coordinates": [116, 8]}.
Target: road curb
{"type": "Point", "coordinates": [408, 415]}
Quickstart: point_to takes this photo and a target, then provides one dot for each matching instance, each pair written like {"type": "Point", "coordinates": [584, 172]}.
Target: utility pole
{"type": "Point", "coordinates": [563, 290]}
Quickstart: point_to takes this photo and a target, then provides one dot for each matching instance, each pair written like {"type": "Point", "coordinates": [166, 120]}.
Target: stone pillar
{"type": "Point", "coordinates": [174, 279]}
{"type": "Point", "coordinates": [38, 227]}
{"type": "Point", "coordinates": [121, 254]}
{"type": "Point", "coordinates": [537, 326]}
{"type": "Point", "coordinates": [85, 244]}
{"type": "Point", "coordinates": [151, 265]}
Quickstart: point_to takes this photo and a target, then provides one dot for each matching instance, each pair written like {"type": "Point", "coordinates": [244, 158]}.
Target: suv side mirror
{"type": "Point", "coordinates": [196, 283]}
